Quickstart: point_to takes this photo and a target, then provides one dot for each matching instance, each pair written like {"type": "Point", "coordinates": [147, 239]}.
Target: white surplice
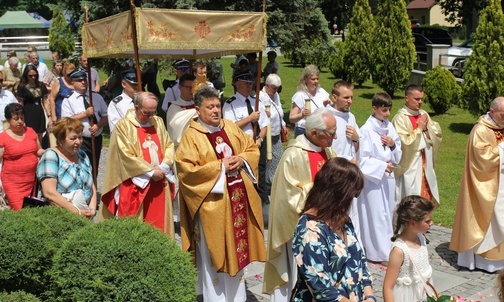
{"type": "Point", "coordinates": [344, 147]}
{"type": "Point", "coordinates": [376, 202]}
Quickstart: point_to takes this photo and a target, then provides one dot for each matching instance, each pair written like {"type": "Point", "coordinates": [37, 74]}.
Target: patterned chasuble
{"type": "Point", "coordinates": [132, 197]}
{"type": "Point", "coordinates": [317, 160]}
{"type": "Point", "coordinates": [238, 196]}
{"type": "Point", "coordinates": [425, 191]}
{"type": "Point", "coordinates": [499, 135]}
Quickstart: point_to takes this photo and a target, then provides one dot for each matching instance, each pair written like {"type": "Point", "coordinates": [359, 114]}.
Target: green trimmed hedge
{"type": "Point", "coordinates": [121, 260]}
{"type": "Point", "coordinates": [29, 238]}
{"type": "Point", "coordinates": [441, 89]}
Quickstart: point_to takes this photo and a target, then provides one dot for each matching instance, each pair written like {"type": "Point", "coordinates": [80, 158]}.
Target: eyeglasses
{"type": "Point", "coordinates": [147, 114]}
{"type": "Point", "coordinates": [184, 69]}
{"type": "Point", "coordinates": [32, 75]}
{"type": "Point", "coordinates": [331, 134]}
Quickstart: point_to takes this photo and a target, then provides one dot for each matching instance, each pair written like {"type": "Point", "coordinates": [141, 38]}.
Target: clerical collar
{"type": "Point", "coordinates": [148, 124]}
{"type": "Point", "coordinates": [343, 114]}
{"type": "Point", "coordinates": [211, 129]}
{"type": "Point", "coordinates": [490, 119]}
{"type": "Point", "coordinates": [310, 144]}
{"type": "Point", "coordinates": [411, 111]}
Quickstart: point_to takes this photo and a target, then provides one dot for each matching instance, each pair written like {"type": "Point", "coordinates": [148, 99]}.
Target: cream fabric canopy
{"type": "Point", "coordinates": [170, 33]}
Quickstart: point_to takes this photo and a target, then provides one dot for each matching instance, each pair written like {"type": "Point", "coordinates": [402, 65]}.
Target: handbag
{"type": "Point", "coordinates": [283, 136]}
{"type": "Point", "coordinates": [32, 201]}
{"type": "Point", "coordinates": [4, 205]}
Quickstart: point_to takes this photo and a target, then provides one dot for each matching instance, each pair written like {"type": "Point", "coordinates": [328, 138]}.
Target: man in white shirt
{"type": "Point", "coordinates": [240, 110]}
{"type": "Point", "coordinates": [41, 67]}
{"type": "Point", "coordinates": [76, 105]}
{"type": "Point", "coordinates": [122, 103]}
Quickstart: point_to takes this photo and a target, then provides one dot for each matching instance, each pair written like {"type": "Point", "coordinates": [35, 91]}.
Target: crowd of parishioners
{"type": "Point", "coordinates": [332, 191]}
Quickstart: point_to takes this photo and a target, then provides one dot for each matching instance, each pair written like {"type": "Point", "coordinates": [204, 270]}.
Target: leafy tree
{"type": "Point", "coordinates": [335, 60]}
{"type": "Point", "coordinates": [359, 43]}
{"type": "Point", "coordinates": [461, 11]}
{"type": "Point", "coordinates": [296, 26]}
{"type": "Point", "coordinates": [484, 69]}
{"type": "Point", "coordinates": [60, 38]}
{"type": "Point", "coordinates": [393, 49]}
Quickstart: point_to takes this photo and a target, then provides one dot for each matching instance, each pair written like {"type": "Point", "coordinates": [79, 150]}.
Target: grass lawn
{"type": "Point", "coordinates": [456, 125]}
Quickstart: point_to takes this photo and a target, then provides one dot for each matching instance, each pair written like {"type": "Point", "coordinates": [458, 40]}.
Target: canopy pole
{"type": "Point", "coordinates": [91, 120]}
{"type": "Point", "coordinates": [135, 45]}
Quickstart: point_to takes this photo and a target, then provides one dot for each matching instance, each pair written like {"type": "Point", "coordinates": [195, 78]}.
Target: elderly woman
{"type": "Point", "coordinates": [65, 172]}
{"type": "Point", "coordinates": [307, 99]}
{"type": "Point", "coordinates": [269, 96]}
{"type": "Point", "coordinates": [60, 90]}
{"type": "Point", "coordinates": [331, 262]}
{"type": "Point", "coordinates": [31, 94]}
{"type": "Point", "coordinates": [19, 153]}
{"type": "Point", "coordinates": [11, 75]}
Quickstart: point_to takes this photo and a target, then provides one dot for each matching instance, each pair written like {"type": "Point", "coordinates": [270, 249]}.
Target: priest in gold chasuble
{"type": "Point", "coordinates": [139, 178]}
{"type": "Point", "coordinates": [220, 211]}
{"type": "Point", "coordinates": [293, 179]}
{"type": "Point", "coordinates": [478, 230]}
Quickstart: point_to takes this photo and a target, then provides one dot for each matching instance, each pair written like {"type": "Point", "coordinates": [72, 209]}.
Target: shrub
{"type": "Point", "coordinates": [23, 255]}
{"type": "Point", "coordinates": [18, 296]}
{"type": "Point", "coordinates": [30, 238]}
{"type": "Point", "coordinates": [336, 65]}
{"type": "Point", "coordinates": [441, 89]}
{"type": "Point", "coordinates": [121, 260]}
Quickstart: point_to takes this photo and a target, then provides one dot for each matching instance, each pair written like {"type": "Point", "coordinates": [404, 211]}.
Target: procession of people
{"type": "Point", "coordinates": [205, 167]}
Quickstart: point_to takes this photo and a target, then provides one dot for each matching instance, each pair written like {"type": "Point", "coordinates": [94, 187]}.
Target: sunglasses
{"type": "Point", "coordinates": [184, 69]}
{"type": "Point", "coordinates": [32, 75]}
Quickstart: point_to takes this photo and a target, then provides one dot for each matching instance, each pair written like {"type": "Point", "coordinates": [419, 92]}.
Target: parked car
{"type": "Point", "coordinates": [421, 46]}
{"type": "Point", "coordinates": [434, 34]}
{"type": "Point", "coordinates": [464, 49]}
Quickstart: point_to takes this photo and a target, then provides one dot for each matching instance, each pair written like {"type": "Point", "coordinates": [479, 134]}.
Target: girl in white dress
{"type": "Point", "coordinates": [409, 269]}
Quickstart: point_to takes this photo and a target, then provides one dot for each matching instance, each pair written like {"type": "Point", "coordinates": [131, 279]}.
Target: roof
{"type": "Point", "coordinates": [421, 4]}
{"type": "Point", "coordinates": [19, 19]}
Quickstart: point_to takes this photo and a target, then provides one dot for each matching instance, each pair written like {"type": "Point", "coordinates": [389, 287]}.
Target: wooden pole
{"type": "Point", "coordinates": [135, 45]}
{"type": "Point", "coordinates": [91, 120]}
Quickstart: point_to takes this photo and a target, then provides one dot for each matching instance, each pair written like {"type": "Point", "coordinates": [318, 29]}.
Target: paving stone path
{"type": "Point", "coordinates": [448, 277]}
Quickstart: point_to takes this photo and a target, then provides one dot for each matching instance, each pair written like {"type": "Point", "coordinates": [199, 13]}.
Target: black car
{"type": "Point", "coordinates": [435, 35]}
{"type": "Point", "coordinates": [421, 46]}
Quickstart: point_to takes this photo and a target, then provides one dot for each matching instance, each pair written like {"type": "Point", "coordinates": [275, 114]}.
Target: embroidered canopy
{"type": "Point", "coordinates": [173, 33]}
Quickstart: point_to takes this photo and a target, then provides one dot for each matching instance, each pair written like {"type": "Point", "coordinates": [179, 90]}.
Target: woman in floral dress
{"type": "Point", "coordinates": [331, 262]}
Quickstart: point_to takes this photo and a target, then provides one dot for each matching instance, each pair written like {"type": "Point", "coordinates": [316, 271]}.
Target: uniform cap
{"type": "Point", "coordinates": [130, 76]}
{"type": "Point", "coordinates": [181, 64]}
{"type": "Point", "coordinates": [244, 76]}
{"type": "Point", "coordinates": [78, 74]}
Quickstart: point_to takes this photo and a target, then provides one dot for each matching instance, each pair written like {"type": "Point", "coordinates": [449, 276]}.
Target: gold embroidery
{"type": "Point", "coordinates": [499, 135]}
{"type": "Point", "coordinates": [241, 34]}
{"type": "Point", "coordinates": [242, 244]}
{"type": "Point", "coordinates": [239, 220]}
{"type": "Point", "coordinates": [237, 207]}
{"type": "Point", "coordinates": [202, 29]}
{"type": "Point", "coordinates": [237, 194]}
{"type": "Point", "coordinates": [161, 31]}
{"type": "Point", "coordinates": [215, 281]}
{"type": "Point", "coordinates": [109, 40]}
